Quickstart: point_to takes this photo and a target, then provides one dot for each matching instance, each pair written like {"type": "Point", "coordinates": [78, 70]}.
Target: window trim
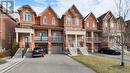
{"type": "Point", "coordinates": [69, 20]}
{"type": "Point", "coordinates": [77, 21]}
{"type": "Point", "coordinates": [45, 21]}
{"type": "Point", "coordinates": [27, 17]}
{"type": "Point", "coordinates": [53, 21]}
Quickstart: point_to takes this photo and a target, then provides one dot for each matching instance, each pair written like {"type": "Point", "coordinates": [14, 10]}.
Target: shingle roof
{"type": "Point", "coordinates": [100, 18]}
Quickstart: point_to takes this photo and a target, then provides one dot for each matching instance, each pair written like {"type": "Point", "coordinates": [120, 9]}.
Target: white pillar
{"type": "Point", "coordinates": [76, 40]}
{"type": "Point", "coordinates": [16, 37]}
{"type": "Point", "coordinates": [67, 41]}
{"type": "Point", "coordinates": [92, 34]}
{"type": "Point", "coordinates": [30, 37]}
{"type": "Point", "coordinates": [84, 40]}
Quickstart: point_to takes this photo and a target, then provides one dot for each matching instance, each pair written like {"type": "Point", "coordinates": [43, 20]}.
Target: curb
{"type": "Point", "coordinates": [6, 69]}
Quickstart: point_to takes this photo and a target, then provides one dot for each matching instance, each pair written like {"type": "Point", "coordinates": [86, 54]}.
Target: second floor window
{"type": "Point", "coordinates": [53, 21]}
{"type": "Point", "coordinates": [77, 21]}
{"type": "Point", "coordinates": [94, 24]}
{"type": "Point", "coordinates": [27, 16]}
{"type": "Point", "coordinates": [68, 20]}
{"type": "Point", "coordinates": [45, 20]}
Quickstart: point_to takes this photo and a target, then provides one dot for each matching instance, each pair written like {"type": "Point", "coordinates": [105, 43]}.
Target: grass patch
{"type": "Point", "coordinates": [2, 61]}
{"type": "Point", "coordinates": [102, 64]}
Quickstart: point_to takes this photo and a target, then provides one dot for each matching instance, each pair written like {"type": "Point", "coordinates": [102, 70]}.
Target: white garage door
{"type": "Point", "coordinates": [57, 49]}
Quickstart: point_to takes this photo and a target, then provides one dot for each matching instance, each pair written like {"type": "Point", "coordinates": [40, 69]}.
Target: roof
{"type": "Point", "coordinates": [4, 11]}
{"type": "Point", "coordinates": [49, 7]}
{"type": "Point", "coordinates": [75, 8]}
{"type": "Point", "coordinates": [24, 6]}
{"type": "Point", "coordinates": [100, 18]}
{"type": "Point", "coordinates": [90, 15]}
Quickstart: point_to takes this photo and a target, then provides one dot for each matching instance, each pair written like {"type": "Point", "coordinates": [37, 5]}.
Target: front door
{"type": "Point", "coordinates": [26, 42]}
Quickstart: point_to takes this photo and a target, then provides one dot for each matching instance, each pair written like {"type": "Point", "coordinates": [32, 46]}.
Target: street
{"type": "Point", "coordinates": [51, 64]}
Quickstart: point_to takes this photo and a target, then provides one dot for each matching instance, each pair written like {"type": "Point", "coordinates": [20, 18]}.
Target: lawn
{"type": "Point", "coordinates": [102, 64]}
{"type": "Point", "coordinates": [2, 61]}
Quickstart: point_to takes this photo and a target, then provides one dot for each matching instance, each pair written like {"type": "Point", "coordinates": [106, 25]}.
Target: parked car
{"type": "Point", "coordinates": [38, 52]}
{"type": "Point", "coordinates": [109, 51]}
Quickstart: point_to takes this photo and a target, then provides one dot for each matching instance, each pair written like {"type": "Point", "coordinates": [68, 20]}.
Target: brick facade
{"type": "Point", "coordinates": [51, 32]}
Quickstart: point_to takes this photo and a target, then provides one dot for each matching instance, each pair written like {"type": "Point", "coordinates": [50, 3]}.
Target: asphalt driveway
{"type": "Point", "coordinates": [51, 64]}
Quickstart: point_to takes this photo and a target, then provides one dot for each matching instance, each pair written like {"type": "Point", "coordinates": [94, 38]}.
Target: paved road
{"type": "Point", "coordinates": [51, 64]}
{"type": "Point", "coordinates": [118, 57]}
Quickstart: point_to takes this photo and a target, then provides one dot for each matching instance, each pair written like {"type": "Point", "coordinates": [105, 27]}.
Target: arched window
{"type": "Point", "coordinates": [53, 21]}
{"type": "Point", "coordinates": [45, 20]}
{"type": "Point", "coordinates": [27, 16]}
{"type": "Point", "coordinates": [68, 20]}
{"type": "Point", "coordinates": [77, 21]}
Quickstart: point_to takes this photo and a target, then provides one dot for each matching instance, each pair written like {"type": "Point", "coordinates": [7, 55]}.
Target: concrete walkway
{"type": "Point", "coordinates": [51, 64]}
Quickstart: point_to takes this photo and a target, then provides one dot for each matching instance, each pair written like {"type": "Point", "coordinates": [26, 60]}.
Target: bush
{"type": "Point", "coordinates": [4, 54]}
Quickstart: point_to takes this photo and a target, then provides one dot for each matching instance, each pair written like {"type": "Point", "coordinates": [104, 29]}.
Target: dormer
{"type": "Point", "coordinates": [27, 15]}
{"type": "Point", "coordinates": [72, 18]}
{"type": "Point", "coordinates": [48, 17]}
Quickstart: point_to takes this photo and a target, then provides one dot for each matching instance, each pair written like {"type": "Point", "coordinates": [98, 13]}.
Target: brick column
{"type": "Point", "coordinates": [49, 42]}
{"type": "Point", "coordinates": [92, 43]}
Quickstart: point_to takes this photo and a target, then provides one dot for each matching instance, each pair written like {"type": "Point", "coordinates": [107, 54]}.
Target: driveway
{"type": "Point", "coordinates": [118, 57]}
{"type": "Point", "coordinates": [51, 64]}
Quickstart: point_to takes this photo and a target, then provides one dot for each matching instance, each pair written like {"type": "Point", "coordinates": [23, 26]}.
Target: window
{"type": "Point", "coordinates": [87, 24]}
{"type": "Point", "coordinates": [112, 24]}
{"type": "Point", "coordinates": [27, 16]}
{"type": "Point", "coordinates": [53, 21]}
{"type": "Point", "coordinates": [77, 21]}
{"type": "Point", "coordinates": [68, 20]}
{"type": "Point", "coordinates": [94, 24]}
{"type": "Point", "coordinates": [45, 20]}
{"type": "Point", "coordinates": [106, 24]}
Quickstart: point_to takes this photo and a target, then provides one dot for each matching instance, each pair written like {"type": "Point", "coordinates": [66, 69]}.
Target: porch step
{"type": "Point", "coordinates": [83, 51]}
{"type": "Point", "coordinates": [73, 51]}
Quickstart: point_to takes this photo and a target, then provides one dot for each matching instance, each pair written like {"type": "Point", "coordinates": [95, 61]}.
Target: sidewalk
{"type": "Point", "coordinates": [10, 64]}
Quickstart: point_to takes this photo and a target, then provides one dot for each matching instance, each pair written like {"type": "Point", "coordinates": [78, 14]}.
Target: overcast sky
{"type": "Point", "coordinates": [98, 7]}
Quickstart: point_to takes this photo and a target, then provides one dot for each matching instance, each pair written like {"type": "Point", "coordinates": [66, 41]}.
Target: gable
{"type": "Point", "coordinates": [73, 11]}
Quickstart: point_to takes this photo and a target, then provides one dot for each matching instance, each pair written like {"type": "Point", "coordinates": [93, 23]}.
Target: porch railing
{"type": "Point", "coordinates": [95, 39]}
{"type": "Point", "coordinates": [38, 38]}
{"type": "Point", "coordinates": [57, 39]}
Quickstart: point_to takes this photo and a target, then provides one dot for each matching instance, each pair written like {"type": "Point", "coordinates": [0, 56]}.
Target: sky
{"type": "Point", "coordinates": [98, 7]}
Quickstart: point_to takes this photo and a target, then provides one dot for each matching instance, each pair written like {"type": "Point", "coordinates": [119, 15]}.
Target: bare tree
{"type": "Point", "coordinates": [122, 7]}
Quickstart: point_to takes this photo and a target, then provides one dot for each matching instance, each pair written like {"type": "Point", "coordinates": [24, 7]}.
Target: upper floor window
{"type": "Point", "coordinates": [68, 20]}
{"type": "Point", "coordinates": [94, 24]}
{"type": "Point", "coordinates": [106, 24]}
{"type": "Point", "coordinates": [87, 24]}
{"type": "Point", "coordinates": [77, 21]}
{"type": "Point", "coordinates": [45, 20]}
{"type": "Point", "coordinates": [112, 24]}
{"type": "Point", "coordinates": [53, 21]}
{"type": "Point", "coordinates": [27, 16]}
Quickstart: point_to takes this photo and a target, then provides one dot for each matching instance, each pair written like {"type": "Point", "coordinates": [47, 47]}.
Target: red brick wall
{"type": "Point", "coordinates": [7, 26]}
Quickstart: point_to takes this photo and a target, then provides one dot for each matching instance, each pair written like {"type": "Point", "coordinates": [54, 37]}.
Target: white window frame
{"type": "Point", "coordinates": [77, 21]}
{"type": "Point", "coordinates": [53, 21]}
{"type": "Point", "coordinates": [27, 16]}
{"type": "Point", "coordinates": [45, 21]}
{"type": "Point", "coordinates": [94, 24]}
{"type": "Point", "coordinates": [112, 24]}
{"type": "Point", "coordinates": [68, 20]}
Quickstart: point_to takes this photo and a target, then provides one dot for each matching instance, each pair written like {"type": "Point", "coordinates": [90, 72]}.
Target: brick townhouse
{"type": "Point", "coordinates": [7, 29]}
{"type": "Point", "coordinates": [71, 31]}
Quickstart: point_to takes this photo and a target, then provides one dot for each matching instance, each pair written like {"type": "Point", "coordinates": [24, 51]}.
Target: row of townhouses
{"type": "Point", "coordinates": [71, 31]}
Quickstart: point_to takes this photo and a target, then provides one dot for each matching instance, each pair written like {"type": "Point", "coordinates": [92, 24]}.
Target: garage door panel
{"type": "Point", "coordinates": [57, 49]}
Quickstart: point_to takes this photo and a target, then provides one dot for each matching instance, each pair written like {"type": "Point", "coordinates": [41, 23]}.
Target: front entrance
{"type": "Point", "coordinates": [26, 42]}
